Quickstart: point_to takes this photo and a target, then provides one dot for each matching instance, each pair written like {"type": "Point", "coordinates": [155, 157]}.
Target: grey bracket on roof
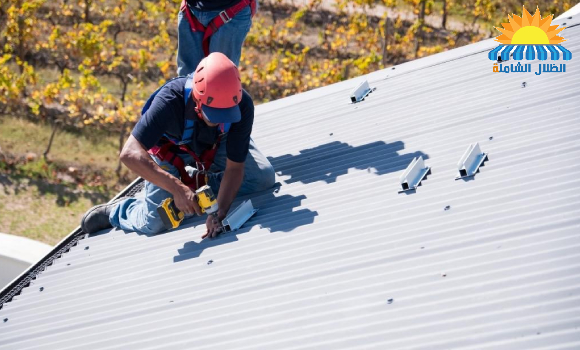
{"type": "Point", "coordinates": [239, 216]}
{"type": "Point", "coordinates": [361, 91]}
{"type": "Point", "coordinates": [472, 159]}
{"type": "Point", "coordinates": [414, 174]}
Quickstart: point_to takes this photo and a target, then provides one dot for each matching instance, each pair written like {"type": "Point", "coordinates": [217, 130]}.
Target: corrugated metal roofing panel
{"type": "Point", "coordinates": [336, 258]}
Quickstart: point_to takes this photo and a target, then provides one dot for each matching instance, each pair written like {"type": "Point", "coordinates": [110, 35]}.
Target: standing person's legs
{"type": "Point", "coordinates": [230, 37]}
{"type": "Point", "coordinates": [189, 48]}
{"type": "Point", "coordinates": [258, 172]}
{"type": "Point", "coordinates": [140, 214]}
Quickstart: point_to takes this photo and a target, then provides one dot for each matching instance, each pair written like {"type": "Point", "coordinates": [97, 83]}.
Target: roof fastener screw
{"type": "Point", "coordinates": [524, 84]}
{"type": "Point", "coordinates": [331, 134]}
{"type": "Point", "coordinates": [87, 248]}
{"type": "Point", "coordinates": [5, 320]}
{"type": "Point", "coordinates": [443, 275]}
{"type": "Point", "coordinates": [390, 301]}
{"type": "Point", "coordinates": [41, 289]}
{"type": "Point", "coordinates": [491, 138]}
{"type": "Point", "coordinates": [422, 247]}
{"type": "Point", "coordinates": [447, 207]}
{"type": "Point", "coordinates": [210, 262]}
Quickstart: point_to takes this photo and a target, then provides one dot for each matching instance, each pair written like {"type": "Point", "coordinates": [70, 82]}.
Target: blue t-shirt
{"type": "Point", "coordinates": [167, 114]}
{"type": "Point", "coordinates": [212, 5]}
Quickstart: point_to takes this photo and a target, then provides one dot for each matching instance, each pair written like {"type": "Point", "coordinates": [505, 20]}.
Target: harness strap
{"type": "Point", "coordinates": [224, 17]}
{"type": "Point", "coordinates": [168, 152]}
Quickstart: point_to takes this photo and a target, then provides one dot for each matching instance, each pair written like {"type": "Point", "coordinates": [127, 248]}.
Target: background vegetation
{"type": "Point", "coordinates": [74, 75]}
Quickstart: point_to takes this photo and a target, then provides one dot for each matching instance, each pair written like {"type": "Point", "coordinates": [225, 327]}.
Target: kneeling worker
{"type": "Point", "coordinates": [205, 121]}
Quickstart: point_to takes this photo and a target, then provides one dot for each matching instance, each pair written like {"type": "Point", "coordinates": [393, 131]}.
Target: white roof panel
{"type": "Point", "coordinates": [336, 258]}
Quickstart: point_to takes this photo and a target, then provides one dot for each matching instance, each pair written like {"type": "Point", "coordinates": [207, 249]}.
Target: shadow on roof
{"type": "Point", "coordinates": [276, 214]}
{"type": "Point", "coordinates": [329, 161]}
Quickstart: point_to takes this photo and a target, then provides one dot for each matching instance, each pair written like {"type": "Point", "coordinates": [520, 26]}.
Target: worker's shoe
{"type": "Point", "coordinates": [97, 218]}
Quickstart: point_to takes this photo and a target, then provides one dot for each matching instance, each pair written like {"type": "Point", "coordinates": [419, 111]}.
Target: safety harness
{"type": "Point", "coordinates": [169, 148]}
{"type": "Point", "coordinates": [224, 17]}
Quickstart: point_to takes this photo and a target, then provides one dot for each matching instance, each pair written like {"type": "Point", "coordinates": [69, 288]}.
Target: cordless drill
{"type": "Point", "coordinates": [172, 217]}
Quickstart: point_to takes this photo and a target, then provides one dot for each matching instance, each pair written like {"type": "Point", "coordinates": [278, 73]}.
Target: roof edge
{"type": "Point", "coordinates": [391, 72]}
{"type": "Point", "coordinates": [15, 287]}
{"type": "Point", "coordinates": [574, 10]}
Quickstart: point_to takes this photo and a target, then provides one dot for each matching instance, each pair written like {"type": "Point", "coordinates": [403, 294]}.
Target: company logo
{"type": "Point", "coordinates": [529, 38]}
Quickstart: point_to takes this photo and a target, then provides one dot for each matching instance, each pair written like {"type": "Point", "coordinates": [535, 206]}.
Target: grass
{"type": "Point", "coordinates": [39, 199]}
{"type": "Point", "coordinates": [45, 213]}
{"type": "Point", "coordinates": [95, 149]}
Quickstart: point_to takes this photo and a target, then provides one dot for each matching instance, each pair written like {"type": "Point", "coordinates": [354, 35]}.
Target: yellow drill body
{"type": "Point", "coordinates": [172, 217]}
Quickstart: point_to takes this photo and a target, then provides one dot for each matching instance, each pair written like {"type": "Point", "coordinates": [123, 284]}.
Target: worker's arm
{"type": "Point", "coordinates": [136, 158]}
{"type": "Point", "coordinates": [231, 182]}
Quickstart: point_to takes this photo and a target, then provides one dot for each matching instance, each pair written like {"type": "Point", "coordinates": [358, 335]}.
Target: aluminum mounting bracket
{"type": "Point", "coordinates": [361, 91]}
{"type": "Point", "coordinates": [470, 162]}
{"type": "Point", "coordinates": [239, 216]}
{"type": "Point", "coordinates": [414, 174]}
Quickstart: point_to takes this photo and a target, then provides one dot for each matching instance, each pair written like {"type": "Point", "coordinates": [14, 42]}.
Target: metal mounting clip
{"type": "Point", "coordinates": [471, 161]}
{"type": "Point", "coordinates": [361, 91]}
{"type": "Point", "coordinates": [414, 174]}
{"type": "Point", "coordinates": [239, 216]}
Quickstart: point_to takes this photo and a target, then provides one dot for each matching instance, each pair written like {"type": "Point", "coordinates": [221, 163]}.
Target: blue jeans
{"type": "Point", "coordinates": [140, 214]}
{"type": "Point", "coordinates": [228, 39]}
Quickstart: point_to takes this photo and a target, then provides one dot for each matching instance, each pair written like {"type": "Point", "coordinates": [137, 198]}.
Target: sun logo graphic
{"type": "Point", "coordinates": [530, 38]}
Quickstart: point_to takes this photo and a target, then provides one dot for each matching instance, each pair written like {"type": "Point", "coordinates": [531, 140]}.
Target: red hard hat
{"type": "Point", "coordinates": [218, 87]}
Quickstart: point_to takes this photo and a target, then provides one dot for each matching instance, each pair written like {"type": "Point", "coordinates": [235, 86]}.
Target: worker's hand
{"type": "Point", "coordinates": [186, 201]}
{"type": "Point", "coordinates": [213, 226]}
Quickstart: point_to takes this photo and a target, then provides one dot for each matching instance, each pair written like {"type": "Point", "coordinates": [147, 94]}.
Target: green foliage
{"type": "Point", "coordinates": [109, 55]}
{"type": "Point", "coordinates": [37, 169]}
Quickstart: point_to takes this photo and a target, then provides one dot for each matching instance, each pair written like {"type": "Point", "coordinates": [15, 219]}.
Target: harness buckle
{"type": "Point", "coordinates": [224, 16]}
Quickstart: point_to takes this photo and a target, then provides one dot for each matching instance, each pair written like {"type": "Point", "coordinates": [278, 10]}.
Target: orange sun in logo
{"type": "Point", "coordinates": [529, 30]}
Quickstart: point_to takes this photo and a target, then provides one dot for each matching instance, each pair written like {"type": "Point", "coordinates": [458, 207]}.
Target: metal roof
{"type": "Point", "coordinates": [336, 258]}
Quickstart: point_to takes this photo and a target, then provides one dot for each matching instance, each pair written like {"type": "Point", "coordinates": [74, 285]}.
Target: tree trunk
{"type": "Point", "coordinates": [21, 34]}
{"type": "Point", "coordinates": [346, 72]}
{"type": "Point", "coordinates": [274, 19]}
{"type": "Point", "coordinates": [385, 41]}
{"type": "Point", "coordinates": [444, 19]}
{"type": "Point", "coordinates": [419, 36]}
{"type": "Point", "coordinates": [125, 83]}
{"type": "Point", "coordinates": [88, 4]}
{"type": "Point", "coordinates": [118, 31]}
{"type": "Point", "coordinates": [54, 130]}
{"type": "Point", "coordinates": [3, 20]}
{"type": "Point", "coordinates": [474, 28]}
{"type": "Point", "coordinates": [121, 143]}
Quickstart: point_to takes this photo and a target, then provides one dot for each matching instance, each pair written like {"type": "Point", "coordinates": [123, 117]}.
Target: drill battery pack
{"type": "Point", "coordinates": [170, 215]}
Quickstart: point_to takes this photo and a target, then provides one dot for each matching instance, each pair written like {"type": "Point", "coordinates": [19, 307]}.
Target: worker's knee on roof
{"type": "Point", "coordinates": [269, 177]}
{"type": "Point", "coordinates": [266, 180]}
{"type": "Point", "coordinates": [153, 226]}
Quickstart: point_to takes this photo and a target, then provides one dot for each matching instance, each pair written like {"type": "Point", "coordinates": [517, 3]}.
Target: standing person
{"type": "Point", "coordinates": [206, 26]}
{"type": "Point", "coordinates": [204, 120]}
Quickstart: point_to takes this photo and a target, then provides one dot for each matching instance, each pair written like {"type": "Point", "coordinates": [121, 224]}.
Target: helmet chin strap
{"type": "Point", "coordinates": [197, 108]}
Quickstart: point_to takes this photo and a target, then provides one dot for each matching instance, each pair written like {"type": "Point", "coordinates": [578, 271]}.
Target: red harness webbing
{"type": "Point", "coordinates": [224, 17]}
{"type": "Point", "coordinates": [168, 153]}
